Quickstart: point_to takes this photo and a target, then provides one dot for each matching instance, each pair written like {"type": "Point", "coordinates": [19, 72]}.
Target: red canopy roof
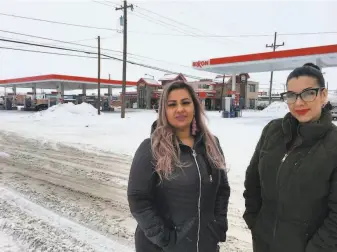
{"type": "Point", "coordinates": [324, 56]}
{"type": "Point", "coordinates": [70, 82]}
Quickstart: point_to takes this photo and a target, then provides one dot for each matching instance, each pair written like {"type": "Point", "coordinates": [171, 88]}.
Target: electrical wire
{"type": "Point", "coordinates": [57, 22]}
{"type": "Point", "coordinates": [173, 35]}
{"type": "Point", "coordinates": [45, 46]}
{"type": "Point", "coordinates": [141, 15]}
{"type": "Point", "coordinates": [55, 40]}
{"type": "Point", "coordinates": [52, 53]}
{"type": "Point", "coordinates": [170, 19]}
{"type": "Point", "coordinates": [95, 53]}
{"type": "Point", "coordinates": [87, 46]}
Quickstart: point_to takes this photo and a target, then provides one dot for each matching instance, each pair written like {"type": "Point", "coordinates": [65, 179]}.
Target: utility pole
{"type": "Point", "coordinates": [223, 86]}
{"type": "Point", "coordinates": [274, 46]}
{"type": "Point", "coordinates": [125, 37]}
{"type": "Point", "coordinates": [99, 76]}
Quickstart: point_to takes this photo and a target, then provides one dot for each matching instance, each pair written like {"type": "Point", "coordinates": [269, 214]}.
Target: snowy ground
{"type": "Point", "coordinates": [64, 176]}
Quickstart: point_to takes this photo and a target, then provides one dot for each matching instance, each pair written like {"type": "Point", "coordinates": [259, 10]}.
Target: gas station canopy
{"type": "Point", "coordinates": [323, 56]}
{"type": "Point", "coordinates": [53, 81]}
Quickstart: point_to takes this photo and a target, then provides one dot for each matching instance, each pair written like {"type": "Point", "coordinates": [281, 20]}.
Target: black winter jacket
{"type": "Point", "coordinates": [188, 212]}
{"type": "Point", "coordinates": [291, 187]}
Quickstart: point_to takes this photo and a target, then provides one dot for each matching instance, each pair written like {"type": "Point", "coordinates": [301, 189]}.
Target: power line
{"type": "Point", "coordinates": [168, 34]}
{"type": "Point", "coordinates": [307, 33]}
{"type": "Point", "coordinates": [45, 46]}
{"type": "Point", "coordinates": [171, 19]}
{"type": "Point", "coordinates": [52, 53]}
{"type": "Point", "coordinates": [77, 44]}
{"type": "Point", "coordinates": [197, 35]}
{"type": "Point", "coordinates": [57, 22]}
{"type": "Point", "coordinates": [141, 15]}
{"type": "Point", "coordinates": [185, 33]}
{"type": "Point", "coordinates": [95, 53]}
{"type": "Point", "coordinates": [55, 40]}
{"type": "Point", "coordinates": [106, 3]}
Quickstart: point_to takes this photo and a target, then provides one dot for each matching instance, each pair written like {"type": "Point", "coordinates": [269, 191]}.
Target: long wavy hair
{"type": "Point", "coordinates": [165, 145]}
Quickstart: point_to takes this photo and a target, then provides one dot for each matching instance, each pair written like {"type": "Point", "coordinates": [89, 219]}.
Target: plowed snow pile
{"type": "Point", "coordinates": [332, 98]}
{"type": "Point", "coordinates": [276, 109]}
{"type": "Point", "coordinates": [67, 110]}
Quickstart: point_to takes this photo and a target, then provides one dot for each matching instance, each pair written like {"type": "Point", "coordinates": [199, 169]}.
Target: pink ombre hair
{"type": "Point", "coordinates": [165, 145]}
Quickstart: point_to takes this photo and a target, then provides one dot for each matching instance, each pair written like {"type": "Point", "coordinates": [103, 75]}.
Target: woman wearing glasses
{"type": "Point", "coordinates": [291, 182]}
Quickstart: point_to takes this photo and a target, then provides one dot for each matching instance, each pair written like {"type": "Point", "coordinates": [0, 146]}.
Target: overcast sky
{"type": "Point", "coordinates": [161, 40]}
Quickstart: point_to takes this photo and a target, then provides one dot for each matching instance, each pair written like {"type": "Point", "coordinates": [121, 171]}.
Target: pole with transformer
{"type": "Point", "coordinates": [99, 76]}
{"type": "Point", "coordinates": [274, 46]}
{"type": "Point", "coordinates": [125, 33]}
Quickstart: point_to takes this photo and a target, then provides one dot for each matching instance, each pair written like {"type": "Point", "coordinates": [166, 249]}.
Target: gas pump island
{"type": "Point", "coordinates": [283, 60]}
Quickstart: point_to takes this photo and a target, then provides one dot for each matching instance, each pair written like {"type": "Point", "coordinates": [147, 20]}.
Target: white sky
{"type": "Point", "coordinates": [147, 39]}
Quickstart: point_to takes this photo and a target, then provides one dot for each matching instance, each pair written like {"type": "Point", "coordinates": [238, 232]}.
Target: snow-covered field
{"type": "Point", "coordinates": [64, 174]}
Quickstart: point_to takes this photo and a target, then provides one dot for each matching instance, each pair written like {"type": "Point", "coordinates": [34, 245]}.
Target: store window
{"type": "Point", "coordinates": [251, 103]}
{"type": "Point", "coordinates": [252, 88]}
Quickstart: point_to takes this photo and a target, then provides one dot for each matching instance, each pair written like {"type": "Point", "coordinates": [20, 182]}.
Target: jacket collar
{"type": "Point", "coordinates": [308, 133]}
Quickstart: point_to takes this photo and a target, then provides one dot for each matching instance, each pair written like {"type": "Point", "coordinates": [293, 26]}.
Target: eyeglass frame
{"type": "Point", "coordinates": [300, 94]}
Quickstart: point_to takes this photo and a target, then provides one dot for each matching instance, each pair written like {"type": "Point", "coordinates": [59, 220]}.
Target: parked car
{"type": "Point", "coordinates": [334, 113]}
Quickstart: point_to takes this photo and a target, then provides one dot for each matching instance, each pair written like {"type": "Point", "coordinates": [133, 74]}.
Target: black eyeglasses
{"type": "Point", "coordinates": [307, 95]}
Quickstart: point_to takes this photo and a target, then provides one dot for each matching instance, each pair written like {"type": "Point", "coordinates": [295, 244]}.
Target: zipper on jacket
{"type": "Point", "coordinates": [278, 192]}
{"type": "Point", "coordinates": [199, 198]}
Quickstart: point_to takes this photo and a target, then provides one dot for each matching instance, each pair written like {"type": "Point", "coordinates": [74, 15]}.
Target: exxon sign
{"type": "Point", "coordinates": [201, 63]}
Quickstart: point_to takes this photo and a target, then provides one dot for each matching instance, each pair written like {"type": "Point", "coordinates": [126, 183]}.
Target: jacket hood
{"type": "Point", "coordinates": [153, 126]}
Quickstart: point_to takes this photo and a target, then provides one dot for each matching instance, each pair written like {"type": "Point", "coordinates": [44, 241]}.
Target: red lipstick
{"type": "Point", "coordinates": [302, 111]}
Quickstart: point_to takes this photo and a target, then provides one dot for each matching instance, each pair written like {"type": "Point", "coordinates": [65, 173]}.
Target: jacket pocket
{"type": "Point", "coordinates": [257, 218]}
{"type": "Point", "coordinates": [184, 229]}
{"type": "Point", "coordinates": [214, 229]}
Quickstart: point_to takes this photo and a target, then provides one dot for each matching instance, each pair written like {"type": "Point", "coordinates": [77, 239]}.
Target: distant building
{"type": "Point", "coordinates": [263, 98]}
{"type": "Point", "coordinates": [209, 91]}
{"type": "Point", "coordinates": [205, 90]}
{"type": "Point", "coordinates": [148, 92]}
{"type": "Point", "coordinates": [168, 78]}
{"type": "Point", "coordinates": [246, 93]}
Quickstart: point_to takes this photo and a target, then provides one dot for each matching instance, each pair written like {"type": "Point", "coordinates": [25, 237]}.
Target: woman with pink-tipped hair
{"type": "Point", "coordinates": [178, 188]}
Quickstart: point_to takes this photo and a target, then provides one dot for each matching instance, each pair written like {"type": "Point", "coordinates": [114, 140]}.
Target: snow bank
{"type": "Point", "coordinates": [67, 110]}
{"type": "Point", "coordinates": [332, 98]}
{"type": "Point", "coordinates": [4, 155]}
{"type": "Point", "coordinates": [7, 243]}
{"type": "Point", "coordinates": [276, 109]}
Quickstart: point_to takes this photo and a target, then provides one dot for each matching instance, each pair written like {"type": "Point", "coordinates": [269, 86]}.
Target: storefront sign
{"type": "Point", "coordinates": [230, 92]}
{"type": "Point", "coordinates": [204, 95]}
{"type": "Point", "coordinates": [210, 95]}
{"type": "Point", "coordinates": [243, 78]}
{"type": "Point", "coordinates": [200, 63]}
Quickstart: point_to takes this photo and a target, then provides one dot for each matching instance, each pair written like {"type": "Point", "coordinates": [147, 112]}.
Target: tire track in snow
{"type": "Point", "coordinates": [87, 188]}
{"type": "Point", "coordinates": [44, 230]}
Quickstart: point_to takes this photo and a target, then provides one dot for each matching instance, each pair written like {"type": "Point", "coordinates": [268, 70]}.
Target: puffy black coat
{"type": "Point", "coordinates": [188, 212]}
{"type": "Point", "coordinates": [291, 187]}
